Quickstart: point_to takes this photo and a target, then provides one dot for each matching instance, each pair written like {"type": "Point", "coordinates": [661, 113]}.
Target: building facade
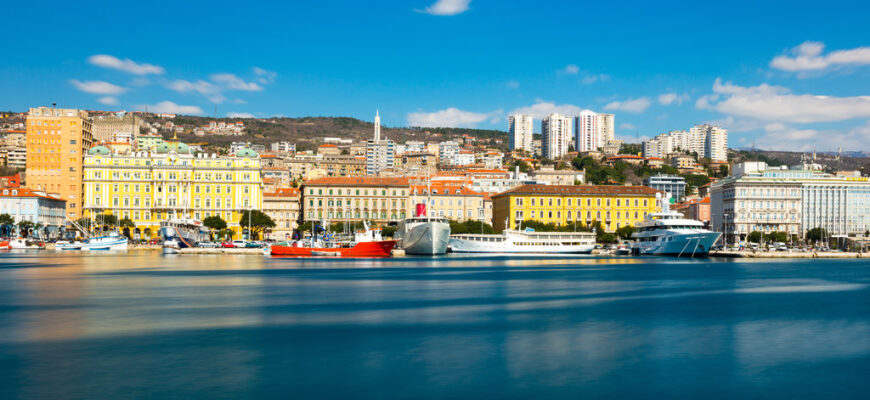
{"type": "Point", "coordinates": [520, 132]}
{"type": "Point", "coordinates": [556, 134]}
{"type": "Point", "coordinates": [57, 140]}
{"type": "Point", "coordinates": [374, 199]}
{"type": "Point", "coordinates": [109, 128]}
{"type": "Point", "coordinates": [171, 182]}
{"type": "Point", "coordinates": [673, 184]}
{"type": "Point", "coordinates": [613, 206]}
{"type": "Point", "coordinates": [452, 201]}
{"type": "Point", "coordinates": [38, 207]}
{"type": "Point", "coordinates": [284, 207]}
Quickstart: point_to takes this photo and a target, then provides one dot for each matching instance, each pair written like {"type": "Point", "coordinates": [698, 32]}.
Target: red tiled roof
{"type": "Point", "coordinates": [586, 190]}
{"type": "Point", "coordinates": [327, 145]}
{"type": "Point", "coordinates": [446, 188]}
{"type": "Point", "coordinates": [25, 192]}
{"type": "Point", "coordinates": [283, 192]}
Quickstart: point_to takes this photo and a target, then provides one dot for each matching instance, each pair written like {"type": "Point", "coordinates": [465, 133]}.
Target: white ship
{"type": "Point", "coordinates": [668, 233]}
{"type": "Point", "coordinates": [423, 235]}
{"type": "Point", "coordinates": [526, 242]}
{"type": "Point", "coordinates": [112, 241]}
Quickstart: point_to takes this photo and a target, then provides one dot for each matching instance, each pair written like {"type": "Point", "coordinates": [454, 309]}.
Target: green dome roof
{"type": "Point", "coordinates": [178, 147]}
{"type": "Point", "coordinates": [246, 153]}
{"type": "Point", "coordinates": [99, 151]}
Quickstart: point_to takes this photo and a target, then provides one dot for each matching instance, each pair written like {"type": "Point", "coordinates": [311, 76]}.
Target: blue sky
{"type": "Point", "coordinates": [782, 76]}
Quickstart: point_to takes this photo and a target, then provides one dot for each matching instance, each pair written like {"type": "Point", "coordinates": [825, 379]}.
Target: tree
{"type": "Point", "coordinates": [215, 223]}
{"type": "Point", "coordinates": [817, 234]}
{"type": "Point", "coordinates": [754, 237]}
{"type": "Point", "coordinates": [776, 237]}
{"type": "Point", "coordinates": [6, 219]}
{"type": "Point", "coordinates": [6, 224]}
{"type": "Point", "coordinates": [388, 231]}
{"type": "Point", "coordinates": [24, 227]}
{"type": "Point", "coordinates": [257, 220]}
{"type": "Point", "coordinates": [470, 226]}
{"type": "Point", "coordinates": [110, 220]}
{"type": "Point", "coordinates": [625, 232]}
{"type": "Point", "coordinates": [608, 238]}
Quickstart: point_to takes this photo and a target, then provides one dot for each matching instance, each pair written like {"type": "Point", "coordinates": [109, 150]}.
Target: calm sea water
{"type": "Point", "coordinates": [149, 326]}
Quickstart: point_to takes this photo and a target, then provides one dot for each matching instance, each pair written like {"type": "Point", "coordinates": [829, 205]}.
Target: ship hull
{"type": "Point", "coordinates": [684, 245]}
{"type": "Point", "coordinates": [362, 249]}
{"type": "Point", "coordinates": [430, 238]}
{"type": "Point", "coordinates": [468, 246]}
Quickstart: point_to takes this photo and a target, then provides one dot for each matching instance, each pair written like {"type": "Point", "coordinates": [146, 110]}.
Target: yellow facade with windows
{"type": "Point", "coordinates": [171, 182]}
{"type": "Point", "coordinates": [613, 206]}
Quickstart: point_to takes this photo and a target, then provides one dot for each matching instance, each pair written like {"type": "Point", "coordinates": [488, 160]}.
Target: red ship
{"type": "Point", "coordinates": [380, 248]}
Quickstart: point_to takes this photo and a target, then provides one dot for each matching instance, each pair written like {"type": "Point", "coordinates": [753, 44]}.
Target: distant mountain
{"type": "Point", "coordinates": [308, 132]}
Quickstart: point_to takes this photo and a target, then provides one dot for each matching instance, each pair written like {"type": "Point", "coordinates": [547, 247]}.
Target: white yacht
{"type": "Point", "coordinates": [526, 242]}
{"type": "Point", "coordinates": [668, 233]}
{"type": "Point", "coordinates": [423, 235]}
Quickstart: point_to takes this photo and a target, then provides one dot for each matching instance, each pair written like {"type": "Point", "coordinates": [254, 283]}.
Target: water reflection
{"type": "Point", "coordinates": [242, 326]}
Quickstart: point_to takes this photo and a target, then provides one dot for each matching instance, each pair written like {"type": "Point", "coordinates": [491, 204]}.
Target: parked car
{"type": "Point", "coordinates": [154, 241]}
{"type": "Point", "coordinates": [239, 243]}
{"type": "Point", "coordinates": [228, 245]}
{"type": "Point", "coordinates": [253, 245]}
{"type": "Point", "coordinates": [207, 245]}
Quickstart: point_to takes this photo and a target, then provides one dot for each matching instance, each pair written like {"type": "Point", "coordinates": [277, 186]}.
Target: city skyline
{"type": "Point", "coordinates": [452, 63]}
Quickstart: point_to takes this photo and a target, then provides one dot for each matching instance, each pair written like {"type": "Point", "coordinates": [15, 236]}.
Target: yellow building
{"type": "Point", "coordinates": [613, 206]}
{"type": "Point", "coordinates": [171, 182]}
{"type": "Point", "coordinates": [57, 140]}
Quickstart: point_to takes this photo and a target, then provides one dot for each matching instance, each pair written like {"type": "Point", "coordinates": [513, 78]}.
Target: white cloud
{"type": "Point", "coordinates": [541, 109]}
{"type": "Point", "coordinates": [265, 77]}
{"type": "Point", "coordinates": [234, 82]}
{"type": "Point", "coordinates": [513, 84]}
{"type": "Point", "coordinates": [205, 88]}
{"type": "Point", "coordinates": [570, 69]}
{"type": "Point", "coordinates": [627, 126]}
{"type": "Point", "coordinates": [108, 100]}
{"type": "Point", "coordinates": [638, 105]}
{"type": "Point", "coordinates": [776, 103]}
{"type": "Point", "coordinates": [671, 98]}
{"type": "Point", "coordinates": [126, 65]}
{"type": "Point", "coordinates": [240, 115]}
{"type": "Point", "coordinates": [172, 108]}
{"type": "Point", "coordinates": [97, 87]}
{"type": "Point", "coordinates": [448, 7]}
{"type": "Point", "coordinates": [450, 117]}
{"type": "Point", "coordinates": [808, 57]}
{"type": "Point", "coordinates": [590, 79]}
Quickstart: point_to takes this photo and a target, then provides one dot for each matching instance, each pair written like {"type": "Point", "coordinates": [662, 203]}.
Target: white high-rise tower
{"type": "Point", "coordinates": [520, 132]}
{"type": "Point", "coordinates": [377, 125]}
{"type": "Point", "coordinates": [380, 154]}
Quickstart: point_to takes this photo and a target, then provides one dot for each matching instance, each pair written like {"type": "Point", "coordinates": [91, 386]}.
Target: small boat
{"type": "Point", "coordinates": [622, 250]}
{"type": "Point", "coordinates": [25, 244]}
{"type": "Point", "coordinates": [112, 241]}
{"type": "Point", "coordinates": [526, 242]}
{"type": "Point", "coordinates": [4, 245]}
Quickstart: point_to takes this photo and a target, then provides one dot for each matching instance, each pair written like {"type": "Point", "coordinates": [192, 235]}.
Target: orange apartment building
{"type": "Point", "coordinates": [57, 140]}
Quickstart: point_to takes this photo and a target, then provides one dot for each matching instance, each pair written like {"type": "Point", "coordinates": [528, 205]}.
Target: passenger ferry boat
{"type": "Point", "coordinates": [527, 242]}
{"type": "Point", "coordinates": [668, 233]}
{"type": "Point", "coordinates": [182, 233]}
